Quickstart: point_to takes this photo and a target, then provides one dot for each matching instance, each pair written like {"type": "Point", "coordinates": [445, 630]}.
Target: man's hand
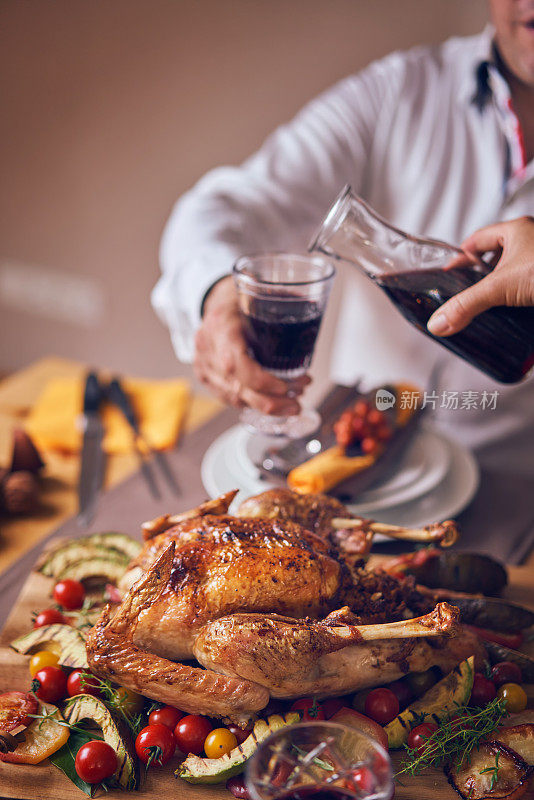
{"type": "Point", "coordinates": [511, 283]}
{"type": "Point", "coordinates": [223, 364]}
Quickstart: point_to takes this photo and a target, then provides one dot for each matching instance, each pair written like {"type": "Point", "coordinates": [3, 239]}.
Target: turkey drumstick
{"type": "Point", "coordinates": [443, 533]}
{"type": "Point", "coordinates": [443, 619]}
{"type": "Point", "coordinates": [327, 517]}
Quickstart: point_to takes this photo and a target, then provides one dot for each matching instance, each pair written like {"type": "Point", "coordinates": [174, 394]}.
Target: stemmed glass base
{"type": "Point", "coordinates": [294, 427]}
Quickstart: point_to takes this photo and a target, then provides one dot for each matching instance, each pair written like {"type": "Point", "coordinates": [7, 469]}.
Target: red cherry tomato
{"type": "Point", "coordinates": [155, 744]}
{"type": "Point", "coordinates": [332, 706]}
{"type": "Point", "coordinates": [419, 736]}
{"type": "Point", "coordinates": [309, 709]}
{"type": "Point", "coordinates": [50, 616]}
{"type": "Point", "coordinates": [375, 417]}
{"type": "Point", "coordinates": [15, 710]}
{"type": "Point", "coordinates": [191, 732]}
{"type": "Point", "coordinates": [50, 684]}
{"type": "Point", "coordinates": [69, 594]}
{"type": "Point", "coordinates": [240, 733]}
{"type": "Point", "coordinates": [364, 780]}
{"type": "Point", "coordinates": [80, 681]}
{"type": "Point", "coordinates": [506, 672]}
{"type": "Point", "coordinates": [95, 761]}
{"type": "Point", "coordinates": [167, 715]}
{"type": "Point", "coordinates": [402, 691]}
{"type": "Point", "coordinates": [382, 706]}
{"type": "Point", "coordinates": [483, 691]}
{"type": "Point", "coordinates": [236, 786]}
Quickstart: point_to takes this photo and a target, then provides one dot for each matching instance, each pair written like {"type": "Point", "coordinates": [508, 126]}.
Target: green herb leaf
{"type": "Point", "coordinates": [494, 770]}
{"type": "Point", "coordinates": [65, 757]}
{"type": "Point", "coordinates": [318, 761]}
{"type": "Point", "coordinates": [455, 738]}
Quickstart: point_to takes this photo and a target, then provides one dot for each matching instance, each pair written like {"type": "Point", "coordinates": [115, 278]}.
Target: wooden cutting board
{"type": "Point", "coordinates": [46, 782]}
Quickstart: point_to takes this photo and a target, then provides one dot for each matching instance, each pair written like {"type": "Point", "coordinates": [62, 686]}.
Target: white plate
{"type": "Point", "coordinates": [224, 468]}
{"type": "Point", "coordinates": [450, 497]}
{"type": "Point", "coordinates": [424, 464]}
{"type": "Point", "coordinates": [227, 465]}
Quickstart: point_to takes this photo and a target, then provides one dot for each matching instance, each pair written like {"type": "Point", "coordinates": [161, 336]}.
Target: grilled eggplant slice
{"type": "Point", "coordinates": [493, 613]}
{"type": "Point", "coordinates": [67, 641]}
{"type": "Point", "coordinates": [497, 652]}
{"type": "Point", "coordinates": [476, 780]}
{"type": "Point", "coordinates": [462, 572]}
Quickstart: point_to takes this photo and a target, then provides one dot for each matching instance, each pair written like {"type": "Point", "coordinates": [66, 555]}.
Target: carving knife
{"type": "Point", "coordinates": [93, 457]}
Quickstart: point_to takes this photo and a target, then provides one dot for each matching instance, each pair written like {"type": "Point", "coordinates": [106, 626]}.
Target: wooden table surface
{"type": "Point", "coordinates": [18, 392]}
{"type": "Point", "coordinates": [18, 536]}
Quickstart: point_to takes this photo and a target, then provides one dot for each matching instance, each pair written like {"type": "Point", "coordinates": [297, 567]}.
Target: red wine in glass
{"type": "Point", "coordinates": [281, 299]}
{"type": "Point", "coordinates": [500, 341]}
{"type": "Point", "coordinates": [281, 335]}
{"type": "Point", "coordinates": [316, 793]}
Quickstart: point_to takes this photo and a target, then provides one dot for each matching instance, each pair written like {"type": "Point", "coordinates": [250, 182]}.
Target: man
{"type": "Point", "coordinates": [440, 141]}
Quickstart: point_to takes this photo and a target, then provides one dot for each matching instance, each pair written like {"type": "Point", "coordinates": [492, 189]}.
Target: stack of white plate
{"type": "Point", "coordinates": [435, 479]}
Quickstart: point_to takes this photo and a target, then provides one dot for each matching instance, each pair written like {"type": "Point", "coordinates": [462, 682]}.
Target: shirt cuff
{"type": "Point", "coordinates": [179, 295]}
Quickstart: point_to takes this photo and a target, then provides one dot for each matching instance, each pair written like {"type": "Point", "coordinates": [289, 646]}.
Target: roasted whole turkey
{"type": "Point", "coordinates": [271, 603]}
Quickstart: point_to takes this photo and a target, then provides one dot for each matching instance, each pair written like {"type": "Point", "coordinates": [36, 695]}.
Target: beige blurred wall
{"type": "Point", "coordinates": [112, 108]}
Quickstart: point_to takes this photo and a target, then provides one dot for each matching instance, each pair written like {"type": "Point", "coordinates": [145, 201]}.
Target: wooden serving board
{"type": "Point", "coordinates": [46, 782]}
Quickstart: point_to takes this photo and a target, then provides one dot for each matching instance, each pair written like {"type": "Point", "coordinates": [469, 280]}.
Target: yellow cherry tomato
{"type": "Point", "coordinates": [514, 696]}
{"type": "Point", "coordinates": [44, 658]}
{"type": "Point", "coordinates": [130, 701]}
{"type": "Point", "coordinates": [219, 743]}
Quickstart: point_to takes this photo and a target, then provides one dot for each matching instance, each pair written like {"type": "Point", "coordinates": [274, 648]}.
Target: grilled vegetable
{"type": "Point", "coordinates": [438, 703]}
{"type": "Point", "coordinates": [494, 772]}
{"type": "Point", "coordinates": [86, 707]}
{"type": "Point", "coordinates": [498, 652]}
{"type": "Point", "coordinates": [108, 569]}
{"type": "Point", "coordinates": [462, 572]}
{"type": "Point", "coordinates": [15, 710]}
{"type": "Point", "coordinates": [493, 613]}
{"type": "Point", "coordinates": [217, 770]}
{"type": "Point", "coordinates": [41, 738]}
{"type": "Point", "coordinates": [120, 545]}
{"type": "Point", "coordinates": [76, 551]}
{"type": "Point", "coordinates": [67, 640]}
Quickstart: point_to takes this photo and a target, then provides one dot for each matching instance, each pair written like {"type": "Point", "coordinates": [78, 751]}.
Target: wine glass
{"type": "Point", "coordinates": [321, 759]}
{"type": "Point", "coordinates": [282, 298]}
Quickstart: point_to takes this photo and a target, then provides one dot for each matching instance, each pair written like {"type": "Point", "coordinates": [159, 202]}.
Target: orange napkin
{"type": "Point", "coordinates": [160, 407]}
{"type": "Point", "coordinates": [327, 469]}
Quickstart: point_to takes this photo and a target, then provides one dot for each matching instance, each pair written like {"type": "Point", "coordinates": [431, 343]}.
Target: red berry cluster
{"type": "Point", "coordinates": [364, 424]}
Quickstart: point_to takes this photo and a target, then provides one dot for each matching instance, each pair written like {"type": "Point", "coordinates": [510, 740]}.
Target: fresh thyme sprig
{"type": "Point", "coordinates": [494, 771]}
{"type": "Point", "coordinates": [317, 761]}
{"type": "Point", "coordinates": [86, 616]}
{"type": "Point", "coordinates": [112, 698]}
{"type": "Point", "coordinates": [455, 738]}
{"type": "Point", "coordinates": [51, 716]}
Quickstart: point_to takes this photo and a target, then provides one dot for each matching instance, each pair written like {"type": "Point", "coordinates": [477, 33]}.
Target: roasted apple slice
{"type": "Point", "coordinates": [493, 773]}
{"type": "Point", "coordinates": [519, 738]}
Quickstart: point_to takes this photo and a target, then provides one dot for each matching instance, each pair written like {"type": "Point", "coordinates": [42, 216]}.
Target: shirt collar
{"type": "Point", "coordinates": [478, 86]}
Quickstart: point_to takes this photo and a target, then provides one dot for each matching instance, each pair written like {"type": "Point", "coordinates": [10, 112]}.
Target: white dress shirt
{"type": "Point", "coordinates": [429, 139]}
